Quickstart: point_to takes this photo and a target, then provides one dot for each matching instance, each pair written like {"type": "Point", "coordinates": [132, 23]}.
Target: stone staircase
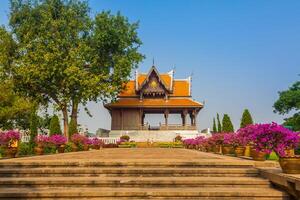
{"type": "Point", "coordinates": [134, 179]}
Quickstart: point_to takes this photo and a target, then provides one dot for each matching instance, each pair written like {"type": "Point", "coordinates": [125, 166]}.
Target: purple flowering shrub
{"type": "Point", "coordinates": [42, 139]}
{"type": "Point", "coordinates": [274, 137]}
{"type": "Point", "coordinates": [97, 142]}
{"type": "Point", "coordinates": [8, 137]}
{"type": "Point", "coordinates": [79, 139]}
{"type": "Point", "coordinates": [88, 141]}
{"type": "Point", "coordinates": [217, 139]}
{"type": "Point", "coordinates": [234, 139]}
{"type": "Point", "coordinates": [57, 140]}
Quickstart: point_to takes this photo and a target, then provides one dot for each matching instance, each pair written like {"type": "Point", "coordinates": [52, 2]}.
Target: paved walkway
{"type": "Point", "coordinates": [152, 155]}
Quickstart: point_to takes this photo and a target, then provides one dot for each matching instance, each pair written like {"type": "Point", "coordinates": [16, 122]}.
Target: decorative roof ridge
{"type": "Point", "coordinates": [153, 68]}
{"type": "Point", "coordinates": [136, 79]}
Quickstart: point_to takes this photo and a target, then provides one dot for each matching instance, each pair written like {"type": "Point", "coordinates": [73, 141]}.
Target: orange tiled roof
{"type": "Point", "coordinates": [179, 88]}
{"type": "Point", "coordinates": [129, 89]}
{"type": "Point", "coordinates": [152, 103]}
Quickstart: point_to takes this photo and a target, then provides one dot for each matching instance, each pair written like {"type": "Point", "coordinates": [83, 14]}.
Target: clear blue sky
{"type": "Point", "coordinates": [241, 53]}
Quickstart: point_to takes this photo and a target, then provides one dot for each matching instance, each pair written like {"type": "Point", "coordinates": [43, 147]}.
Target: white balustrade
{"type": "Point", "coordinates": [108, 140]}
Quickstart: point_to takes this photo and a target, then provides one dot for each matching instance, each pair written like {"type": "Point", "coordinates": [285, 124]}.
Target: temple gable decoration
{"type": "Point", "coordinates": [153, 85]}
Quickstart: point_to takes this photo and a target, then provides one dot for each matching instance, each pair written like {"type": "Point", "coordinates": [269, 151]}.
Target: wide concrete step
{"type": "Point", "coordinates": [35, 182]}
{"type": "Point", "coordinates": [143, 193]}
{"type": "Point", "coordinates": [128, 171]}
{"type": "Point", "coordinates": [155, 163]}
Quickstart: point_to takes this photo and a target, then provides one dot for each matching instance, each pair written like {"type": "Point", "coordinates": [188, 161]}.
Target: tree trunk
{"type": "Point", "coordinates": [66, 121]}
{"type": "Point", "coordinates": [74, 114]}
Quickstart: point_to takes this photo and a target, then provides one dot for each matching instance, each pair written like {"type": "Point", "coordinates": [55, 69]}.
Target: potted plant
{"type": "Point", "coordinates": [273, 137]}
{"type": "Point", "coordinates": [77, 141]}
{"type": "Point", "coordinates": [215, 142]}
{"type": "Point", "coordinates": [227, 147]}
{"type": "Point", "coordinates": [125, 137]}
{"type": "Point", "coordinates": [282, 142]}
{"type": "Point", "coordinates": [178, 138]}
{"type": "Point", "coordinates": [9, 141]}
{"type": "Point", "coordinates": [96, 143]}
{"type": "Point", "coordinates": [245, 134]}
{"type": "Point", "coordinates": [59, 141]}
{"type": "Point", "coordinates": [238, 143]}
{"type": "Point", "coordinates": [41, 141]}
{"type": "Point", "coordinates": [87, 143]}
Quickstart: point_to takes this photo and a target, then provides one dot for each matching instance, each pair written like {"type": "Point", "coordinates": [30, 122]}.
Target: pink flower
{"type": "Point", "coordinates": [9, 136]}
{"type": "Point", "coordinates": [78, 139]}
{"type": "Point", "coordinates": [57, 139]}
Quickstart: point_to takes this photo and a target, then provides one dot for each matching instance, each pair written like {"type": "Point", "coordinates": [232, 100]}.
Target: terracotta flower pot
{"type": "Point", "coordinates": [247, 151]}
{"type": "Point", "coordinates": [239, 151]}
{"type": "Point", "coordinates": [74, 148]}
{"type": "Point", "coordinates": [227, 149]}
{"type": "Point", "coordinates": [86, 147]}
{"type": "Point", "coordinates": [290, 152]}
{"type": "Point", "coordinates": [290, 165]}
{"type": "Point", "coordinates": [61, 149]}
{"type": "Point", "coordinates": [96, 147]}
{"type": "Point", "coordinates": [39, 150]}
{"type": "Point", "coordinates": [258, 156]}
{"type": "Point", "coordinates": [10, 152]}
{"type": "Point", "coordinates": [216, 148]}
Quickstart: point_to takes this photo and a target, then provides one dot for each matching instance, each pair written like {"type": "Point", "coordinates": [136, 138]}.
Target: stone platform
{"type": "Point", "coordinates": [155, 135]}
{"type": "Point", "coordinates": [135, 174]}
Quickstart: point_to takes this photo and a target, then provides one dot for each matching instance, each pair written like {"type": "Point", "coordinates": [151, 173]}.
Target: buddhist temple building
{"type": "Point", "coordinates": [151, 93]}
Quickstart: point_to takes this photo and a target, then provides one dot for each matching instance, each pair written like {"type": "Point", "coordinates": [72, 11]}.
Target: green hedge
{"type": "Point", "coordinates": [170, 145]}
{"type": "Point", "coordinates": [127, 145]}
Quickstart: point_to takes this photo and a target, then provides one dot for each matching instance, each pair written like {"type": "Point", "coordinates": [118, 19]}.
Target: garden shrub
{"type": "Point", "coordinates": [1, 152]}
{"type": "Point", "coordinates": [25, 149]}
{"type": "Point", "coordinates": [68, 147]}
{"type": "Point", "coordinates": [55, 126]}
{"type": "Point", "coordinates": [127, 145]}
{"type": "Point", "coordinates": [246, 119]}
{"type": "Point", "coordinates": [72, 128]}
{"type": "Point", "coordinates": [227, 125]}
{"type": "Point", "coordinates": [272, 156]}
{"type": "Point", "coordinates": [50, 150]}
{"type": "Point", "coordinates": [125, 137]}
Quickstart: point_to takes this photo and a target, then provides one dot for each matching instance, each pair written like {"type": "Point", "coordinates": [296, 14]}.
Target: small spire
{"type": "Point", "coordinates": [153, 61]}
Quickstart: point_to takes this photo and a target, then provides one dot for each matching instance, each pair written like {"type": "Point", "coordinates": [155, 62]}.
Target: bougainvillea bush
{"type": "Point", "coordinates": [57, 140]}
{"type": "Point", "coordinates": [97, 142]}
{"type": "Point", "coordinates": [8, 137]}
{"type": "Point", "coordinates": [79, 139]}
{"type": "Point", "coordinates": [42, 139]}
{"type": "Point", "coordinates": [234, 140]}
{"type": "Point", "coordinates": [274, 137]}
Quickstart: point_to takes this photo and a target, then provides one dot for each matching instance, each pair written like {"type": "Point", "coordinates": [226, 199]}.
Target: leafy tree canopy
{"type": "Point", "coordinates": [62, 55]}
{"type": "Point", "coordinates": [289, 100]}
{"type": "Point", "coordinates": [14, 110]}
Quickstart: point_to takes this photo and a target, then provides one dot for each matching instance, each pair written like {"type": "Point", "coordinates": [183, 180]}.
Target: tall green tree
{"type": "Point", "coordinates": [246, 119]}
{"type": "Point", "coordinates": [219, 130]}
{"type": "Point", "coordinates": [34, 123]}
{"type": "Point", "coordinates": [214, 126]}
{"type": "Point", "coordinates": [227, 125]}
{"type": "Point", "coordinates": [55, 126]}
{"type": "Point", "coordinates": [289, 101]}
{"type": "Point", "coordinates": [72, 128]}
{"type": "Point", "coordinates": [65, 57]}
